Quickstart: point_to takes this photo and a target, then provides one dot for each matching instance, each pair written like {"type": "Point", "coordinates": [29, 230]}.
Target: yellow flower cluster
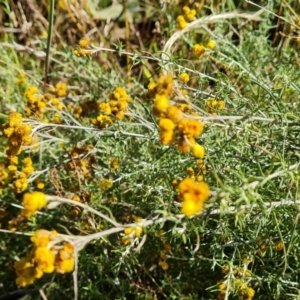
{"type": "Point", "coordinates": [174, 127]}
{"type": "Point", "coordinates": [35, 103]}
{"type": "Point", "coordinates": [193, 194]}
{"type": "Point", "coordinates": [187, 16]}
{"type": "Point", "coordinates": [184, 77]}
{"type": "Point", "coordinates": [116, 106]}
{"type": "Point", "coordinates": [60, 89]}
{"type": "Point", "coordinates": [18, 135]}
{"type": "Point", "coordinates": [33, 202]}
{"type": "Point", "coordinates": [44, 258]}
{"type": "Point", "coordinates": [19, 179]}
{"type": "Point", "coordinates": [212, 105]}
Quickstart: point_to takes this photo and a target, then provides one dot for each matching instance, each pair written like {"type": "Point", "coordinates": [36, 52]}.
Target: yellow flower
{"type": "Point", "coordinates": [14, 119]}
{"type": "Point", "coordinates": [186, 185]}
{"type": "Point", "coordinates": [65, 266]}
{"type": "Point", "coordinates": [222, 286]}
{"type": "Point", "coordinates": [198, 193]}
{"type": "Point", "coordinates": [181, 22]}
{"type": "Point", "coordinates": [138, 231]}
{"type": "Point", "coordinates": [120, 115]}
{"type": "Point", "coordinates": [198, 151]}
{"type": "Point", "coordinates": [83, 43]}
{"type": "Point", "coordinates": [220, 105]}
{"type": "Point", "coordinates": [191, 127]}
{"type": "Point", "coordinates": [190, 15]}
{"type": "Point", "coordinates": [193, 195]}
{"type": "Point", "coordinates": [161, 104]}
{"type": "Point", "coordinates": [61, 89]}
{"type": "Point", "coordinates": [26, 272]}
{"type": "Point", "coordinates": [166, 124]}
{"type": "Point", "coordinates": [64, 259]}
{"type": "Point", "coordinates": [44, 258]}
{"type": "Point", "coordinates": [22, 78]}
{"type": "Point", "coordinates": [167, 137]}
{"type": "Point", "coordinates": [102, 121]}
{"type": "Point", "coordinates": [33, 202]}
{"type": "Point", "coordinates": [27, 161]}
{"type": "Point", "coordinates": [12, 168]}
{"type": "Point", "coordinates": [40, 185]}
{"type": "Point", "coordinates": [105, 108]}
{"type": "Point", "coordinates": [199, 50]}
{"type": "Point", "coordinates": [128, 230]}
{"type": "Point", "coordinates": [184, 77]}
{"type": "Point", "coordinates": [186, 9]}
{"type": "Point", "coordinates": [190, 207]}
{"type": "Point", "coordinates": [246, 292]}
{"type": "Point", "coordinates": [211, 44]}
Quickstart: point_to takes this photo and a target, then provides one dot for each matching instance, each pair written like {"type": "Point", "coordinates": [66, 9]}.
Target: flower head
{"type": "Point", "coordinates": [33, 202]}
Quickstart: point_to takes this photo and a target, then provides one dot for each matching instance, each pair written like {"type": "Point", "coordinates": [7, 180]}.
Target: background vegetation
{"type": "Point", "coordinates": [245, 243]}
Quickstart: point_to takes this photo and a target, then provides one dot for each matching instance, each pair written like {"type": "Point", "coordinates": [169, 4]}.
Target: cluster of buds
{"type": "Point", "coordinates": [188, 15]}
{"type": "Point", "coordinates": [18, 135]}
{"type": "Point", "coordinates": [174, 125]}
{"type": "Point", "coordinates": [116, 107]}
{"type": "Point", "coordinates": [37, 103]}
